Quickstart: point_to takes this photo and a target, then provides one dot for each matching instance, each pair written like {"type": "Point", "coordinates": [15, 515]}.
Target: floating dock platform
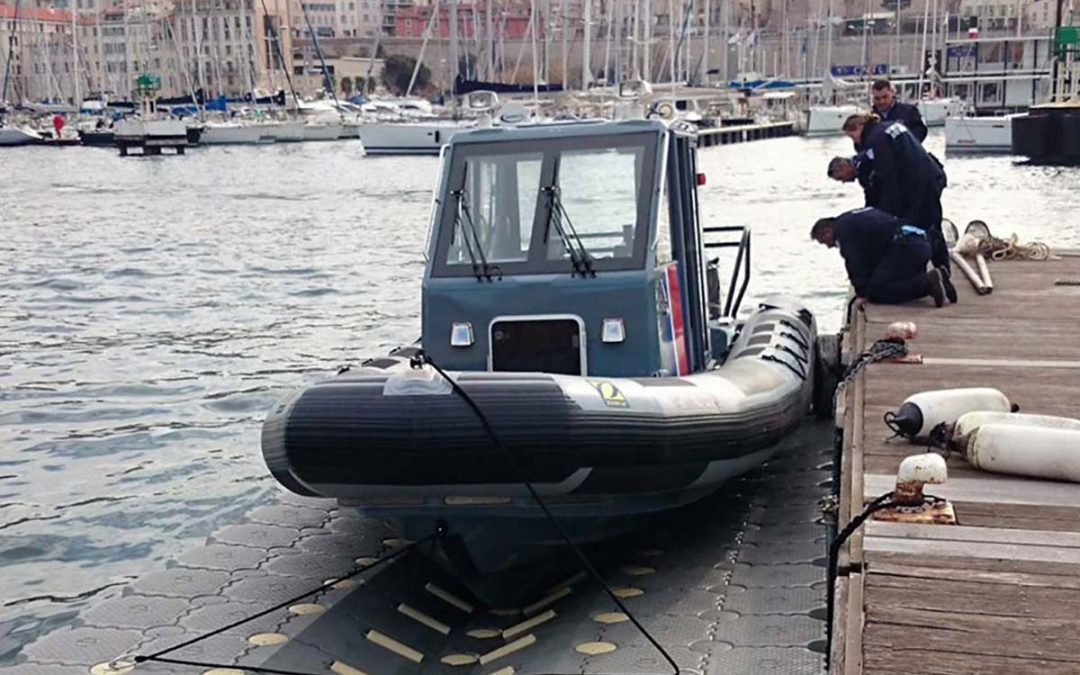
{"type": "Point", "coordinates": [999, 592]}
{"type": "Point", "coordinates": [731, 585]}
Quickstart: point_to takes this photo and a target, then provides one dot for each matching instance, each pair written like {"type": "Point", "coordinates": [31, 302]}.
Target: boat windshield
{"type": "Point", "coordinates": [569, 205]}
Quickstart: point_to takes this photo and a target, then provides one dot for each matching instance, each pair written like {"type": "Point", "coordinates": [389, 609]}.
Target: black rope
{"type": "Point", "coordinates": [156, 656]}
{"type": "Point", "coordinates": [422, 358]}
{"type": "Point", "coordinates": [882, 502]}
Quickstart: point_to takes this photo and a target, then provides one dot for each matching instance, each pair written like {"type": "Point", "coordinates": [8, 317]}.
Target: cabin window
{"type": "Point", "coordinates": [495, 209]}
{"type": "Point", "coordinates": [598, 195]}
{"type": "Point", "coordinates": [521, 207]}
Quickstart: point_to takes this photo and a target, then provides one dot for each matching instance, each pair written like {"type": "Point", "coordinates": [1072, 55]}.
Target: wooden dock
{"type": "Point", "coordinates": [744, 133]}
{"type": "Point", "coordinates": [1000, 591]}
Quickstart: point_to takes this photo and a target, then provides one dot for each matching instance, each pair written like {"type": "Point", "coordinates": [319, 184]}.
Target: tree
{"type": "Point", "coordinates": [346, 85]}
{"type": "Point", "coordinates": [397, 71]}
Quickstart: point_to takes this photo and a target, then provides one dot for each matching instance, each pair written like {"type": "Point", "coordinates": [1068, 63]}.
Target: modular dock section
{"type": "Point", "coordinates": [731, 585]}
{"type": "Point", "coordinates": [999, 592]}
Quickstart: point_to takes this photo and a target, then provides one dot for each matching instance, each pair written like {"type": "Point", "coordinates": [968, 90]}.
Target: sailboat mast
{"type": "Point", "coordinates": [535, 62]}
{"type": "Point", "coordinates": [1056, 85]}
{"type": "Point", "coordinates": [706, 29]}
{"type": "Point", "coordinates": [921, 60]}
{"type": "Point", "coordinates": [75, 55]}
{"type": "Point", "coordinates": [562, 29]}
{"type": "Point", "coordinates": [431, 24]}
{"type": "Point", "coordinates": [11, 53]}
{"type": "Point", "coordinates": [586, 61]}
{"type": "Point", "coordinates": [453, 47]}
{"type": "Point", "coordinates": [489, 38]}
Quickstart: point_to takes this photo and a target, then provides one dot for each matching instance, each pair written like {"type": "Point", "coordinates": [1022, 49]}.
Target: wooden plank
{"type": "Point", "coordinates": [1019, 517]}
{"type": "Point", "coordinates": [972, 633]}
{"type": "Point", "coordinates": [875, 557]}
{"type": "Point", "coordinates": [886, 637]}
{"type": "Point", "coordinates": [853, 638]}
{"type": "Point", "coordinates": [923, 662]}
{"type": "Point", "coordinates": [839, 626]}
{"type": "Point", "coordinates": [992, 488]}
{"type": "Point", "coordinates": [999, 363]}
{"type": "Point", "coordinates": [965, 597]}
{"type": "Point", "coordinates": [855, 545]}
{"type": "Point", "coordinates": [974, 534]}
{"type": "Point", "coordinates": [908, 573]}
{"type": "Point", "coordinates": [971, 549]}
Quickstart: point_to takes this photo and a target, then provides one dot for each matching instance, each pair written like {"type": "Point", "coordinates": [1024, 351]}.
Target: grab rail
{"type": "Point", "coordinates": [742, 264]}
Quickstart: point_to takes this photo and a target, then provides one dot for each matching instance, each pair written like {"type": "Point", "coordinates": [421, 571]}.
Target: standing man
{"type": "Point", "coordinates": [890, 110]}
{"type": "Point", "coordinates": [909, 181]}
{"type": "Point", "coordinates": [885, 259]}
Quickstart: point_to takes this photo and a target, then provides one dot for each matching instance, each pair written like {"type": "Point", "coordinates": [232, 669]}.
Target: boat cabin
{"type": "Point", "coordinates": [572, 248]}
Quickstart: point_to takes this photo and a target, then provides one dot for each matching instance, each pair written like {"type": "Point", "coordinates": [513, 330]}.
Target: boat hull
{"type": "Point", "coordinates": [978, 135]}
{"type": "Point", "coordinates": [394, 440]}
{"type": "Point", "coordinates": [11, 136]}
{"type": "Point", "coordinates": [1048, 134]}
{"type": "Point", "coordinates": [405, 139]}
{"type": "Point", "coordinates": [828, 120]}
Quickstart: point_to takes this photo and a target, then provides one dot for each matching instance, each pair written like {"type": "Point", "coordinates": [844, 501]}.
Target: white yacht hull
{"type": "Point", "coordinates": [133, 130]}
{"type": "Point", "coordinates": [384, 138]}
{"type": "Point", "coordinates": [322, 132]}
{"type": "Point", "coordinates": [827, 120]}
{"type": "Point", "coordinates": [979, 134]}
{"type": "Point", "coordinates": [935, 111]}
{"type": "Point", "coordinates": [10, 136]}
{"type": "Point", "coordinates": [288, 132]}
{"type": "Point", "coordinates": [237, 134]}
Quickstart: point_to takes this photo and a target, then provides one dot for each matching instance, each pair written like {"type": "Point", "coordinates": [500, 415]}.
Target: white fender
{"type": "Point", "coordinates": [1037, 452]}
{"type": "Point", "coordinates": [922, 412]}
{"type": "Point", "coordinates": [971, 421]}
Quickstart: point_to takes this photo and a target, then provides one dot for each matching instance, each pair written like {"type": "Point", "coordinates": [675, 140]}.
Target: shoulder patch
{"type": "Point", "coordinates": [895, 129]}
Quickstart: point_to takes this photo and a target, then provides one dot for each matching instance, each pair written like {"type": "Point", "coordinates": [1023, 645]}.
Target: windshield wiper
{"type": "Point", "coordinates": [575, 249]}
{"type": "Point", "coordinates": [480, 269]}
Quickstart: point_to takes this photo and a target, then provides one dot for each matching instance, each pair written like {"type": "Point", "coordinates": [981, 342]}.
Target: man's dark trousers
{"type": "Point", "coordinates": [929, 219]}
{"type": "Point", "coordinates": [901, 275]}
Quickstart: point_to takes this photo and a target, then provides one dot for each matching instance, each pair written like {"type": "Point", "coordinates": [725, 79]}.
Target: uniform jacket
{"type": "Point", "coordinates": [864, 236]}
{"type": "Point", "coordinates": [905, 175]}
{"type": "Point", "coordinates": [909, 115]}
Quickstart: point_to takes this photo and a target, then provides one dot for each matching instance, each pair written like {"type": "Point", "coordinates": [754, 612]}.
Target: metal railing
{"type": "Point", "coordinates": [741, 267]}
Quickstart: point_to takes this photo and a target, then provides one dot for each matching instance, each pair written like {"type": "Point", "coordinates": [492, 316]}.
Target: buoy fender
{"type": "Point", "coordinates": [1036, 452]}
{"type": "Point", "coordinates": [971, 421]}
{"type": "Point", "coordinates": [922, 412]}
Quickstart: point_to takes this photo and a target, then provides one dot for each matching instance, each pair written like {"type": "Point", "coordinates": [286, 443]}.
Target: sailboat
{"type": "Point", "coordinates": [827, 118]}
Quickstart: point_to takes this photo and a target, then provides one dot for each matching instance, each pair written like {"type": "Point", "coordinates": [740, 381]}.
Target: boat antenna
{"type": "Point", "coordinates": [418, 361]}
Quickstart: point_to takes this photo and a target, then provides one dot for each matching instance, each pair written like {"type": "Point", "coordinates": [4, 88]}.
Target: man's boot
{"type": "Point", "coordinates": [946, 282]}
{"type": "Point", "coordinates": [935, 287]}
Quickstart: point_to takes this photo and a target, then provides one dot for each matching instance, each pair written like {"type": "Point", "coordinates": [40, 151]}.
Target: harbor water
{"type": "Point", "coordinates": [153, 310]}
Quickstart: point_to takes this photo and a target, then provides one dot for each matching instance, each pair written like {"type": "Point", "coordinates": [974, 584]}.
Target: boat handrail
{"type": "Point", "coordinates": [741, 267]}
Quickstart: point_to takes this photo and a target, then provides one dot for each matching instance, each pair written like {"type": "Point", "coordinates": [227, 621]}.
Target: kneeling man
{"type": "Point", "coordinates": [885, 259]}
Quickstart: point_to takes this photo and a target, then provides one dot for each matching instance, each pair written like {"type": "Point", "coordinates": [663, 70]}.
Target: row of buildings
{"type": "Point", "coordinates": [64, 49]}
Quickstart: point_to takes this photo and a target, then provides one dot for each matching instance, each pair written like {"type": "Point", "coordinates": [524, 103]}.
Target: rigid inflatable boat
{"type": "Point", "coordinates": [567, 291]}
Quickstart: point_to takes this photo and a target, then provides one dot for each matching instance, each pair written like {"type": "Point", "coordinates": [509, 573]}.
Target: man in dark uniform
{"type": "Point", "coordinates": [908, 180]}
{"type": "Point", "coordinates": [885, 259]}
{"type": "Point", "coordinates": [890, 110]}
{"type": "Point", "coordinates": [851, 169]}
